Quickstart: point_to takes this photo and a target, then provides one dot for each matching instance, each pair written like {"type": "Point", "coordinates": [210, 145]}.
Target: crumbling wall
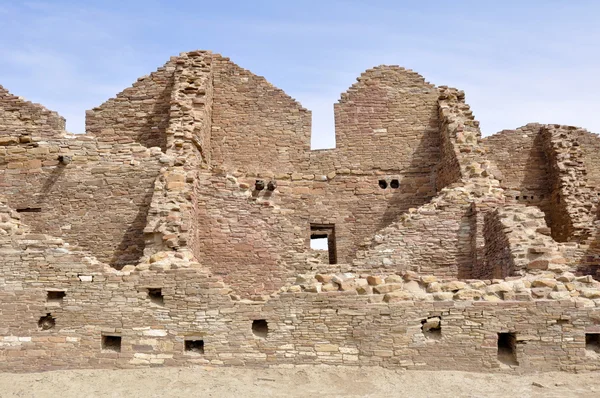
{"type": "Point", "coordinates": [517, 242]}
{"type": "Point", "coordinates": [97, 197]}
{"type": "Point", "coordinates": [173, 215]}
{"type": "Point", "coordinates": [19, 119]}
{"type": "Point", "coordinates": [571, 201]}
{"type": "Point", "coordinates": [255, 126]}
{"type": "Point", "coordinates": [520, 156]}
{"type": "Point", "coordinates": [590, 146]}
{"type": "Point", "coordinates": [139, 113]}
{"type": "Point", "coordinates": [377, 329]}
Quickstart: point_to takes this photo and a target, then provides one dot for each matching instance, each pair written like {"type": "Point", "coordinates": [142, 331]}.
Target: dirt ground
{"type": "Point", "coordinates": [316, 381]}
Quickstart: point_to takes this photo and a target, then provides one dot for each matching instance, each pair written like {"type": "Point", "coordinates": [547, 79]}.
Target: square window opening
{"type": "Point", "coordinates": [592, 342]}
{"type": "Point", "coordinates": [260, 328]}
{"type": "Point", "coordinates": [321, 235]}
{"type": "Point", "coordinates": [55, 296]}
{"type": "Point", "coordinates": [155, 295]}
{"type": "Point", "coordinates": [507, 348]}
{"type": "Point", "coordinates": [111, 343]}
{"type": "Point", "coordinates": [194, 347]}
{"type": "Point", "coordinates": [432, 328]}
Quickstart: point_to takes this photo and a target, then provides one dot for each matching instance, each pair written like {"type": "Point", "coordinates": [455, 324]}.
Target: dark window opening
{"type": "Point", "coordinates": [111, 343]}
{"type": "Point", "coordinates": [507, 348]}
{"type": "Point", "coordinates": [325, 233]}
{"type": "Point", "coordinates": [432, 327]}
{"type": "Point", "coordinates": [195, 347]}
{"type": "Point", "coordinates": [29, 210]}
{"type": "Point", "coordinates": [382, 184]}
{"type": "Point", "coordinates": [516, 198]}
{"type": "Point", "coordinates": [55, 296]}
{"type": "Point", "coordinates": [395, 184]}
{"type": "Point", "coordinates": [47, 322]}
{"type": "Point", "coordinates": [260, 328]}
{"type": "Point", "coordinates": [592, 342]}
{"type": "Point", "coordinates": [155, 295]}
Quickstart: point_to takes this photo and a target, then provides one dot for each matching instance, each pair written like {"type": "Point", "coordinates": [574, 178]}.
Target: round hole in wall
{"type": "Point", "coordinates": [382, 184]}
{"type": "Point", "coordinates": [395, 184]}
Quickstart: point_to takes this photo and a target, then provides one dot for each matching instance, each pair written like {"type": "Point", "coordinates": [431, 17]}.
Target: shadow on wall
{"type": "Point", "coordinates": [417, 184]}
{"type": "Point", "coordinates": [590, 263]}
{"type": "Point", "coordinates": [131, 247]}
{"type": "Point", "coordinates": [538, 172]}
{"type": "Point", "coordinates": [157, 132]}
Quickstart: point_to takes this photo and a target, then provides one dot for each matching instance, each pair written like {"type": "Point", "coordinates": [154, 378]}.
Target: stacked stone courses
{"type": "Point", "coordinates": [177, 230]}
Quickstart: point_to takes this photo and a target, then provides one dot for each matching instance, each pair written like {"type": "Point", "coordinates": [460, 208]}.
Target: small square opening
{"type": "Point", "coordinates": [592, 342]}
{"type": "Point", "coordinates": [260, 328]}
{"type": "Point", "coordinates": [55, 296]}
{"type": "Point", "coordinates": [111, 343]}
{"type": "Point", "coordinates": [507, 348]}
{"type": "Point", "coordinates": [155, 295]}
{"type": "Point", "coordinates": [47, 322]}
{"type": "Point", "coordinates": [432, 328]}
{"type": "Point", "coordinates": [322, 237]}
{"type": "Point", "coordinates": [194, 347]}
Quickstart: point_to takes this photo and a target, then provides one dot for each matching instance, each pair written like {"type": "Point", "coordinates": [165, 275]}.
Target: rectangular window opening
{"type": "Point", "coordinates": [111, 343]}
{"type": "Point", "coordinates": [592, 342]}
{"type": "Point", "coordinates": [155, 295]}
{"type": "Point", "coordinates": [322, 237]}
{"type": "Point", "coordinates": [55, 296]}
{"type": "Point", "coordinates": [432, 328]}
{"type": "Point", "coordinates": [507, 348]}
{"type": "Point", "coordinates": [194, 347]}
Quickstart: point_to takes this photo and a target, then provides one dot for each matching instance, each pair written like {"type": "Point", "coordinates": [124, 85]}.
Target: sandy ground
{"type": "Point", "coordinates": [317, 381]}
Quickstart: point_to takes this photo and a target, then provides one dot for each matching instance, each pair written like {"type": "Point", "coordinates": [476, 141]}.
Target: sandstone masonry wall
{"type": "Point", "coordinates": [255, 126]}
{"type": "Point", "coordinates": [138, 114]}
{"type": "Point", "coordinates": [19, 119]}
{"type": "Point", "coordinates": [178, 231]}
{"type": "Point", "coordinates": [71, 200]}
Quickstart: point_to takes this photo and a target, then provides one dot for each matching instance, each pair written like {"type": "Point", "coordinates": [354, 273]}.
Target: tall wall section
{"type": "Point", "coordinates": [256, 127]}
{"type": "Point", "coordinates": [388, 121]}
{"type": "Point", "coordinates": [138, 114]}
{"type": "Point", "coordinates": [520, 156]}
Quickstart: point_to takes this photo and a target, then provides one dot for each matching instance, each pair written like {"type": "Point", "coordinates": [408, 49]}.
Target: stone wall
{"type": "Point", "coordinates": [369, 135]}
{"type": "Point", "coordinates": [107, 318]}
{"type": "Point", "coordinates": [255, 126]}
{"type": "Point", "coordinates": [97, 197]}
{"type": "Point", "coordinates": [139, 113]}
{"type": "Point", "coordinates": [19, 119]}
{"type": "Point", "coordinates": [572, 213]}
{"type": "Point", "coordinates": [520, 156]}
{"type": "Point", "coordinates": [178, 231]}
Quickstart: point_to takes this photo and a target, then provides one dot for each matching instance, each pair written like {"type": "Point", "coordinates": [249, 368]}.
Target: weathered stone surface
{"type": "Point", "coordinates": [176, 231]}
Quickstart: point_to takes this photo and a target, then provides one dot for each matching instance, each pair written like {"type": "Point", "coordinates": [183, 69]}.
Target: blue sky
{"type": "Point", "coordinates": [518, 61]}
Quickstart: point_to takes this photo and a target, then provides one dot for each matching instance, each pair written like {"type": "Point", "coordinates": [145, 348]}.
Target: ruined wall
{"type": "Point", "coordinates": [137, 114]}
{"type": "Point", "coordinates": [40, 331]}
{"type": "Point", "coordinates": [520, 156]}
{"type": "Point", "coordinates": [371, 134]}
{"type": "Point", "coordinates": [173, 216]}
{"type": "Point", "coordinates": [572, 209]}
{"type": "Point", "coordinates": [19, 119]}
{"type": "Point", "coordinates": [590, 146]}
{"type": "Point", "coordinates": [98, 200]}
{"type": "Point", "coordinates": [255, 126]}
{"type": "Point", "coordinates": [517, 242]}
